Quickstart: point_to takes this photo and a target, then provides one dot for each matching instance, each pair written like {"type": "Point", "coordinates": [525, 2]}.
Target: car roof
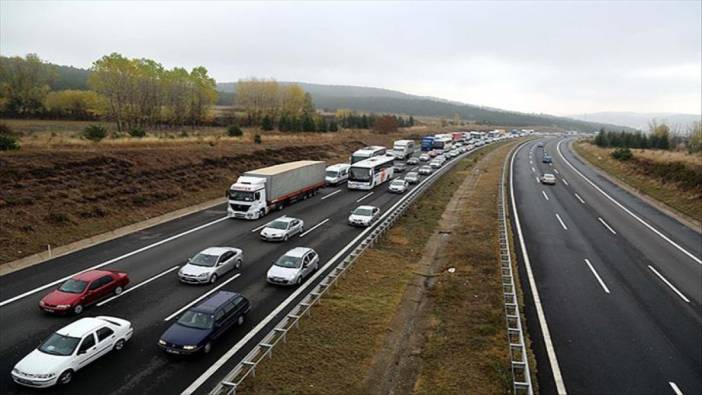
{"type": "Point", "coordinates": [82, 327]}
{"type": "Point", "coordinates": [298, 252]}
{"type": "Point", "coordinates": [91, 275]}
{"type": "Point", "coordinates": [215, 250]}
{"type": "Point", "coordinates": [283, 219]}
{"type": "Point", "coordinates": [367, 207]}
{"type": "Point", "coordinates": [549, 175]}
{"type": "Point", "coordinates": [215, 301]}
{"type": "Point", "coordinates": [338, 166]}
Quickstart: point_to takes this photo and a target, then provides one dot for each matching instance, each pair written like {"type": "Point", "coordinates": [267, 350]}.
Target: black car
{"type": "Point", "coordinates": [200, 326]}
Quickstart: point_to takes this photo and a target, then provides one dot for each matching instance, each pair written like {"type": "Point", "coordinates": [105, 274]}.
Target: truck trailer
{"type": "Point", "coordinates": [258, 192]}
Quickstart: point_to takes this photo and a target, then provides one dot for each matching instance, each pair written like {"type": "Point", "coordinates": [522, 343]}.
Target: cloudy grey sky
{"type": "Point", "coordinates": [558, 58]}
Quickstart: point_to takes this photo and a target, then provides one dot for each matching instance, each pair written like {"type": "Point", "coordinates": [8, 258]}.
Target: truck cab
{"type": "Point", "coordinates": [247, 198]}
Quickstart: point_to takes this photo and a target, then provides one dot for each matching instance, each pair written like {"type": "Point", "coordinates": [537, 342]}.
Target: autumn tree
{"type": "Point", "coordinates": [75, 104]}
{"type": "Point", "coordinates": [386, 124]}
{"type": "Point", "coordinates": [24, 84]}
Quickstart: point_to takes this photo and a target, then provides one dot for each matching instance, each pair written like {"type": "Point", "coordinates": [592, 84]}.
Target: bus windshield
{"type": "Point", "coordinates": [359, 174]}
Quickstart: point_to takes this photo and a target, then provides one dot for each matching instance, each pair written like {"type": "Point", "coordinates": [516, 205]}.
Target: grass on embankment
{"type": "Point", "coordinates": [643, 173]}
{"type": "Point", "coordinates": [334, 348]}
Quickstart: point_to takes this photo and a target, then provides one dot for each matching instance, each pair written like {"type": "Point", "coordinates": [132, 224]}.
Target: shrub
{"type": "Point", "coordinates": [234, 131]}
{"type": "Point", "coordinates": [622, 154]}
{"type": "Point", "coordinates": [184, 133]}
{"type": "Point", "coordinates": [8, 143]}
{"type": "Point", "coordinates": [94, 133]}
{"type": "Point", "coordinates": [257, 139]}
{"type": "Point", "coordinates": [6, 130]}
{"type": "Point", "coordinates": [137, 132]}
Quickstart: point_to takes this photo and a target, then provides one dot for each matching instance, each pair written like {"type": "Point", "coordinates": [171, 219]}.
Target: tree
{"type": "Point", "coordinates": [333, 127]}
{"type": "Point", "coordinates": [308, 106]}
{"type": "Point", "coordinates": [75, 104]}
{"type": "Point", "coordinates": [386, 124]}
{"type": "Point", "coordinates": [660, 135]}
{"type": "Point", "coordinates": [267, 123]}
{"type": "Point", "coordinates": [308, 123]}
{"type": "Point", "coordinates": [695, 142]}
{"type": "Point", "coordinates": [411, 121]}
{"type": "Point", "coordinates": [24, 84]}
{"type": "Point", "coordinates": [321, 125]}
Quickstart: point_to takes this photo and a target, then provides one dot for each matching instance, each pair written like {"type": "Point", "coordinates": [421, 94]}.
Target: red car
{"type": "Point", "coordinates": [84, 289]}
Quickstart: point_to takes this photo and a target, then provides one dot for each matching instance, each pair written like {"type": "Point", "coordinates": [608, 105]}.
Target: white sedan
{"type": "Point", "coordinates": [71, 348]}
{"type": "Point", "coordinates": [364, 215]}
{"type": "Point", "coordinates": [398, 186]}
{"type": "Point", "coordinates": [282, 229]}
{"type": "Point", "coordinates": [293, 267]}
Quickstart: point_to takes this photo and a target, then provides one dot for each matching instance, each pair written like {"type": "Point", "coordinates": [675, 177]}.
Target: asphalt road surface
{"type": "Point", "coordinates": [149, 257]}
{"type": "Point", "coordinates": [620, 283]}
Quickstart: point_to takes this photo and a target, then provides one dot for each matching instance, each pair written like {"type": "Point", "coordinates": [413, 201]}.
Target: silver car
{"type": "Point", "coordinates": [210, 264]}
{"type": "Point", "coordinates": [293, 267]}
{"type": "Point", "coordinates": [426, 170]}
{"type": "Point", "coordinates": [282, 229]}
{"type": "Point", "coordinates": [364, 215]}
{"type": "Point", "coordinates": [412, 177]}
{"type": "Point", "coordinates": [398, 186]}
{"type": "Point", "coordinates": [548, 179]}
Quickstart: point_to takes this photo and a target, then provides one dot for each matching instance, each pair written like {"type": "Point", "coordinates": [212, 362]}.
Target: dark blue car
{"type": "Point", "coordinates": [547, 158]}
{"type": "Point", "coordinates": [200, 326]}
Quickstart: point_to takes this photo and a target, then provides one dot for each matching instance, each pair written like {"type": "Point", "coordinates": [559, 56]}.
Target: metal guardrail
{"type": "Point", "coordinates": [519, 359]}
{"type": "Point", "coordinates": [264, 348]}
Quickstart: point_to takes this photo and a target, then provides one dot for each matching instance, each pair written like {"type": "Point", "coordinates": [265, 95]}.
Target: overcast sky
{"type": "Point", "coordinates": [558, 58]}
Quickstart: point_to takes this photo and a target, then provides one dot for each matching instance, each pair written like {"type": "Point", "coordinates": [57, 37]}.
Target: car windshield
{"type": "Point", "coordinates": [241, 196]}
{"type": "Point", "coordinates": [359, 174]}
{"type": "Point", "coordinates": [362, 211]}
{"type": "Point", "coordinates": [398, 183]}
{"type": "Point", "coordinates": [196, 319]}
{"type": "Point", "coordinates": [332, 173]}
{"type": "Point", "coordinates": [73, 286]}
{"type": "Point", "coordinates": [288, 261]}
{"type": "Point", "coordinates": [278, 225]}
{"type": "Point", "coordinates": [59, 345]}
{"type": "Point", "coordinates": [203, 260]}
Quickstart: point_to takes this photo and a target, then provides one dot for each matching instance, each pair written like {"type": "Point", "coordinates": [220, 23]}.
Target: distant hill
{"type": "Point", "coordinates": [640, 120]}
{"type": "Point", "coordinates": [380, 100]}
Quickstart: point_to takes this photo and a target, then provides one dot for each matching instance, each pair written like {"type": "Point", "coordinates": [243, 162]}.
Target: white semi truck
{"type": "Point", "coordinates": [403, 149]}
{"type": "Point", "coordinates": [258, 192]}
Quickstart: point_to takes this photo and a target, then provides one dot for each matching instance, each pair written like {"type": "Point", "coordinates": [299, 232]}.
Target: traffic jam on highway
{"type": "Point", "coordinates": [208, 319]}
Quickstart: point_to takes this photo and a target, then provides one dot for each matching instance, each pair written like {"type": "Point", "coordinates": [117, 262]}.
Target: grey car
{"type": "Point", "coordinates": [210, 264]}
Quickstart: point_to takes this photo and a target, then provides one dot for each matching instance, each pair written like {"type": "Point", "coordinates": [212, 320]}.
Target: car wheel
{"type": "Point", "coordinates": [213, 278]}
{"type": "Point", "coordinates": [119, 345]}
{"type": "Point", "coordinates": [78, 309]}
{"type": "Point", "coordinates": [241, 320]}
{"type": "Point", "coordinates": [299, 280]}
{"type": "Point", "coordinates": [118, 290]}
{"type": "Point", "coordinates": [207, 348]}
{"type": "Point", "coordinates": [238, 264]}
{"type": "Point", "coordinates": [316, 266]}
{"type": "Point", "coordinates": [65, 377]}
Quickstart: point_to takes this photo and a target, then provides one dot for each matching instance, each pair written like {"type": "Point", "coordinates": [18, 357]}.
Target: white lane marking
{"type": "Point", "coordinates": [531, 162]}
{"type": "Point", "coordinates": [607, 226]}
{"type": "Point", "coordinates": [113, 260]}
{"type": "Point", "coordinates": [537, 180]}
{"type": "Point", "coordinates": [265, 321]}
{"type": "Point", "coordinates": [626, 210]}
{"type": "Point", "coordinates": [579, 198]}
{"type": "Point", "coordinates": [130, 289]}
{"type": "Point", "coordinates": [550, 350]}
{"type": "Point", "coordinates": [364, 196]}
{"type": "Point", "coordinates": [564, 181]}
{"type": "Point", "coordinates": [592, 269]}
{"type": "Point", "coordinates": [665, 280]}
{"type": "Point", "coordinates": [264, 225]}
{"type": "Point", "coordinates": [331, 194]}
{"type": "Point", "coordinates": [556, 171]}
{"type": "Point", "coordinates": [206, 294]}
{"type": "Point", "coordinates": [545, 195]}
{"type": "Point", "coordinates": [533, 170]}
{"type": "Point", "coordinates": [675, 388]}
{"type": "Point", "coordinates": [314, 227]}
{"type": "Point", "coordinates": [561, 221]}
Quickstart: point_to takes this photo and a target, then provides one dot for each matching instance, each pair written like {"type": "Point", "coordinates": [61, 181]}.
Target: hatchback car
{"type": "Point", "coordinates": [412, 177]}
{"type": "Point", "coordinates": [413, 161]}
{"type": "Point", "coordinates": [547, 159]}
{"type": "Point", "coordinates": [425, 170]}
{"type": "Point", "coordinates": [83, 290]}
{"type": "Point", "coordinates": [200, 326]}
{"type": "Point", "coordinates": [210, 264]}
{"type": "Point", "coordinates": [293, 267]}
{"type": "Point", "coordinates": [435, 164]}
{"type": "Point", "coordinates": [424, 157]}
{"type": "Point", "coordinates": [70, 349]}
{"type": "Point", "coordinates": [398, 186]}
{"type": "Point", "coordinates": [399, 166]}
{"type": "Point", "coordinates": [548, 179]}
{"type": "Point", "coordinates": [363, 215]}
{"type": "Point", "coordinates": [282, 229]}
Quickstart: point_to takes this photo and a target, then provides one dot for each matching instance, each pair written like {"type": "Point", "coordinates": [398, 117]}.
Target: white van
{"type": "Point", "coordinates": [337, 174]}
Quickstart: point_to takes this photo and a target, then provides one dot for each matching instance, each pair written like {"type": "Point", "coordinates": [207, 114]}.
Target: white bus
{"type": "Point", "coordinates": [367, 152]}
{"type": "Point", "coordinates": [369, 173]}
{"type": "Point", "coordinates": [403, 149]}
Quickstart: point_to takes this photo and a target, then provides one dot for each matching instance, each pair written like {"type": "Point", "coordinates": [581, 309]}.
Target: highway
{"type": "Point", "coordinates": [155, 297]}
{"type": "Point", "coordinates": [619, 282]}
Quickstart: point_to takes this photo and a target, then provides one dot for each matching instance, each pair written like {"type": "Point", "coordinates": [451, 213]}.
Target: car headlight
{"type": "Point", "coordinates": [189, 347]}
{"type": "Point", "coordinates": [202, 275]}
{"type": "Point", "coordinates": [161, 342]}
{"type": "Point", "coordinates": [41, 302]}
{"type": "Point", "coordinates": [45, 376]}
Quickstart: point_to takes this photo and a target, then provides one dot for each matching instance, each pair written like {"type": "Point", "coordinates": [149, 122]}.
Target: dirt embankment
{"type": "Point", "coordinates": [59, 196]}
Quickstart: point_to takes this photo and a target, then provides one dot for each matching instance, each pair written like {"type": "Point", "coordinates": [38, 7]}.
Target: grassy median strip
{"type": "Point", "coordinates": [339, 348]}
{"type": "Point", "coordinates": [641, 172]}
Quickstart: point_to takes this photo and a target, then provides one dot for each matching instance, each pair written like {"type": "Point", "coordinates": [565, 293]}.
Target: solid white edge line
{"type": "Point", "coordinates": [265, 321]}
{"type": "Point", "coordinates": [331, 194]}
{"type": "Point", "coordinates": [579, 198]}
{"type": "Point", "coordinates": [364, 196]}
{"type": "Point", "coordinates": [314, 227]}
{"type": "Point", "coordinates": [113, 260]}
{"type": "Point", "coordinates": [137, 286]}
{"type": "Point", "coordinates": [665, 280]}
{"type": "Point", "coordinates": [206, 294]}
{"type": "Point", "coordinates": [545, 195]}
{"type": "Point", "coordinates": [675, 388]}
{"type": "Point", "coordinates": [626, 210]}
{"type": "Point", "coordinates": [607, 225]}
{"type": "Point", "coordinates": [550, 351]}
{"type": "Point", "coordinates": [592, 269]}
{"type": "Point", "coordinates": [561, 221]}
